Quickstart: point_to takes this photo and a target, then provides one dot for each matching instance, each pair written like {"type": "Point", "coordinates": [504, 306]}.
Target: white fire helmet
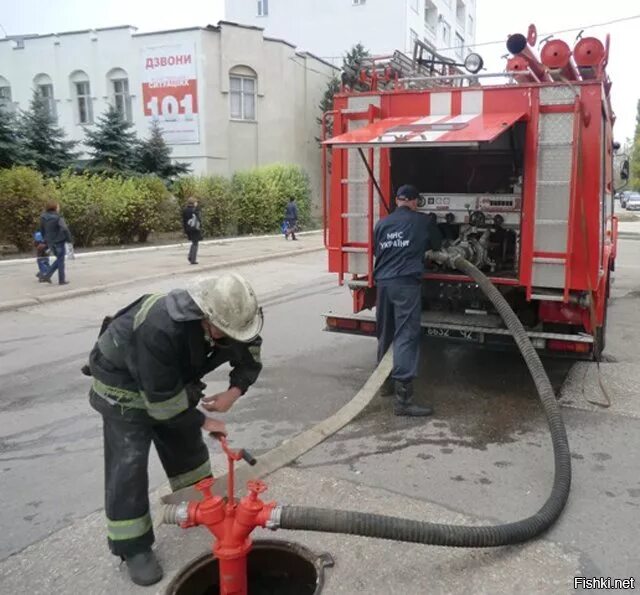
{"type": "Point", "coordinates": [229, 303]}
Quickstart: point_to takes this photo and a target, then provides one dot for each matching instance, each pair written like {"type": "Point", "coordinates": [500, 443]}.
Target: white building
{"type": "Point", "coordinates": [329, 28]}
{"type": "Point", "coordinates": [226, 97]}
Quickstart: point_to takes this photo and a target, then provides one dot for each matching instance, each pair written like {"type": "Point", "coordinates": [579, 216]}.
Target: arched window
{"type": "Point", "coordinates": [81, 91]}
{"type": "Point", "coordinates": [118, 85]}
{"type": "Point", "coordinates": [5, 94]}
{"type": "Point", "coordinates": [243, 88]}
{"type": "Point", "coordinates": [44, 86]}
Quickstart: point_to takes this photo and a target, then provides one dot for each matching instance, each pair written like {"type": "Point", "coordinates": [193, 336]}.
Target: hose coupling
{"type": "Point", "coordinates": [176, 514]}
{"type": "Point", "coordinates": [274, 519]}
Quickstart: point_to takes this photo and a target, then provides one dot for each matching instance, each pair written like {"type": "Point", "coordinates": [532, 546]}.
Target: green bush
{"type": "Point", "coordinates": [115, 209]}
{"type": "Point", "coordinates": [263, 193]}
{"type": "Point", "coordinates": [132, 207]}
{"type": "Point", "coordinates": [82, 205]}
{"type": "Point", "coordinates": [23, 194]}
{"type": "Point", "coordinates": [217, 202]}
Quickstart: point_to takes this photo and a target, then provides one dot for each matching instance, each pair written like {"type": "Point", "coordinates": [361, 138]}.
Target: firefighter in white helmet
{"type": "Point", "coordinates": [147, 367]}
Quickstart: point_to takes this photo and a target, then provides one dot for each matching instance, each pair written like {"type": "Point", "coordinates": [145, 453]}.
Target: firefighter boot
{"type": "Point", "coordinates": [387, 389]}
{"type": "Point", "coordinates": [404, 405]}
{"type": "Point", "coordinates": [144, 568]}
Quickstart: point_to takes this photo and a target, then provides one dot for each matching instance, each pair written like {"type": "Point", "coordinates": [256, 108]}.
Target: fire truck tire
{"type": "Point", "coordinates": [399, 529]}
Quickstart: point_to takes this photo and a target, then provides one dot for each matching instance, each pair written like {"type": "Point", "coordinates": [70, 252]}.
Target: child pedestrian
{"type": "Point", "coordinates": [42, 257]}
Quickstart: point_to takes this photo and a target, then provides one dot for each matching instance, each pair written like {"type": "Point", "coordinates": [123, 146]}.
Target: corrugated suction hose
{"type": "Point", "coordinates": [399, 529]}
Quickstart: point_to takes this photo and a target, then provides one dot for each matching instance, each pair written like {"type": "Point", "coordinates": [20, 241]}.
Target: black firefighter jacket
{"type": "Point", "coordinates": [147, 364]}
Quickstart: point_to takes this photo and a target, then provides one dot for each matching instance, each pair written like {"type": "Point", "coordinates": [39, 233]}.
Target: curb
{"type": "Point", "coordinates": [181, 244]}
{"type": "Point", "coordinates": [46, 299]}
{"type": "Point", "coordinates": [295, 447]}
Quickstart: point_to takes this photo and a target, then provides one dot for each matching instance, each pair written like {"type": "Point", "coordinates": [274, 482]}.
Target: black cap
{"type": "Point", "coordinates": [407, 192]}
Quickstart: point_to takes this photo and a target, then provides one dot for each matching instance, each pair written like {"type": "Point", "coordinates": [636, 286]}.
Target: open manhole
{"type": "Point", "coordinates": [273, 568]}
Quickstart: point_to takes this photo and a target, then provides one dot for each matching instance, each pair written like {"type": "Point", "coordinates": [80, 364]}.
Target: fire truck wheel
{"type": "Point", "coordinates": [600, 338]}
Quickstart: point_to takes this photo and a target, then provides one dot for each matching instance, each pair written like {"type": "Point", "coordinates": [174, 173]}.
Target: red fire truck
{"type": "Point", "coordinates": [519, 170]}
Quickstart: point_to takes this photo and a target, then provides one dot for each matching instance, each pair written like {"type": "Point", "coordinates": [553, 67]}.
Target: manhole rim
{"type": "Point", "coordinates": [319, 561]}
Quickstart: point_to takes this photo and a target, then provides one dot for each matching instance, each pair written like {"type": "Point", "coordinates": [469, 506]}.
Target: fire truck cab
{"type": "Point", "coordinates": [520, 170]}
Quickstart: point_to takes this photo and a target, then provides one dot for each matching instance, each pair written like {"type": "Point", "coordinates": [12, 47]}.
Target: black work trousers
{"type": "Point", "coordinates": [127, 441]}
{"type": "Point", "coordinates": [193, 250]}
{"type": "Point", "coordinates": [398, 308]}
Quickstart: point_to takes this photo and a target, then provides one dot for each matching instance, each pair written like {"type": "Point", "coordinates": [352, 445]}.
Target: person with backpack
{"type": "Point", "coordinates": [56, 234]}
{"type": "Point", "coordinates": [290, 219]}
{"type": "Point", "coordinates": [192, 224]}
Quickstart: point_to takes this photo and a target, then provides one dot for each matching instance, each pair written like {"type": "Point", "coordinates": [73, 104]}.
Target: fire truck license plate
{"type": "Point", "coordinates": [446, 333]}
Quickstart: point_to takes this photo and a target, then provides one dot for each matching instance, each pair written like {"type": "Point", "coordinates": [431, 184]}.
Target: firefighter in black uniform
{"type": "Point", "coordinates": [147, 367]}
{"type": "Point", "coordinates": [401, 240]}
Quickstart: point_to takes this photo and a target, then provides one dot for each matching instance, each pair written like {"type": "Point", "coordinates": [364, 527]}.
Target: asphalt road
{"type": "Point", "coordinates": [51, 440]}
{"type": "Point", "coordinates": [485, 453]}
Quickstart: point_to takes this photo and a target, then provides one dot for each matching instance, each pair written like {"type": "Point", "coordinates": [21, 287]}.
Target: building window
{"type": "Point", "coordinates": [358, 2]}
{"type": "Point", "coordinates": [459, 46]}
{"type": "Point", "coordinates": [44, 86]}
{"type": "Point", "coordinates": [415, 5]}
{"type": "Point", "coordinates": [81, 92]}
{"type": "Point", "coordinates": [5, 95]}
{"type": "Point", "coordinates": [445, 31]}
{"type": "Point", "coordinates": [430, 16]}
{"type": "Point", "coordinates": [46, 92]}
{"type": "Point", "coordinates": [242, 93]}
{"type": "Point", "coordinates": [460, 14]}
{"type": "Point", "coordinates": [120, 97]}
{"type": "Point", "coordinates": [263, 8]}
{"type": "Point", "coordinates": [83, 97]}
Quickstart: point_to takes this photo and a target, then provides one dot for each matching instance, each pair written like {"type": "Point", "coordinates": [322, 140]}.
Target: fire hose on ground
{"type": "Point", "coordinates": [232, 521]}
{"type": "Point", "coordinates": [386, 527]}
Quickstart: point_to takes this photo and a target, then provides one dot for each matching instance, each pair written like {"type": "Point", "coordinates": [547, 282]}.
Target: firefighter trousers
{"type": "Point", "coordinates": [127, 442]}
{"type": "Point", "coordinates": [398, 308]}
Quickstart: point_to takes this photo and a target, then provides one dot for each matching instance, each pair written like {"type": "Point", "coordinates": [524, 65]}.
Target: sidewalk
{"type": "Point", "coordinates": [92, 272]}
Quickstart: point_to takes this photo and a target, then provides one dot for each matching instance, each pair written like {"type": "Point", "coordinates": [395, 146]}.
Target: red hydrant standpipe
{"type": "Point", "coordinates": [230, 522]}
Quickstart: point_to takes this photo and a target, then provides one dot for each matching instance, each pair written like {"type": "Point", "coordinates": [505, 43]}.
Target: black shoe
{"type": "Point", "coordinates": [44, 279]}
{"type": "Point", "coordinates": [404, 405]}
{"type": "Point", "coordinates": [144, 568]}
{"type": "Point", "coordinates": [388, 388]}
{"type": "Point", "coordinates": [61, 282]}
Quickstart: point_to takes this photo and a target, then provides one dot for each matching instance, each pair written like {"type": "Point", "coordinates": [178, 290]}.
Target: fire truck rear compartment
{"type": "Point", "coordinates": [473, 193]}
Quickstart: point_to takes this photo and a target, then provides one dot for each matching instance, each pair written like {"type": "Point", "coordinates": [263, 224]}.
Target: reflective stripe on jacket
{"type": "Point", "coordinates": [154, 350]}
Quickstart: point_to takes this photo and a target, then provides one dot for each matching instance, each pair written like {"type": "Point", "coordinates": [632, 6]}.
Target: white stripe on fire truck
{"type": "Point", "coordinates": [462, 118]}
{"type": "Point", "coordinates": [441, 104]}
{"type": "Point", "coordinates": [472, 102]}
{"type": "Point", "coordinates": [428, 120]}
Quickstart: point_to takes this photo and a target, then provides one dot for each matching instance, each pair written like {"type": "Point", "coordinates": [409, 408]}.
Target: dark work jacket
{"type": "Point", "coordinates": [400, 241]}
{"type": "Point", "coordinates": [187, 213]}
{"type": "Point", "coordinates": [291, 212]}
{"type": "Point", "coordinates": [54, 229]}
{"type": "Point", "coordinates": [148, 363]}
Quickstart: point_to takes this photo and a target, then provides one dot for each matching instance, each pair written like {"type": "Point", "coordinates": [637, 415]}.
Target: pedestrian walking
{"type": "Point", "coordinates": [290, 219]}
{"type": "Point", "coordinates": [192, 224]}
{"type": "Point", "coordinates": [147, 367]}
{"type": "Point", "coordinates": [56, 234]}
{"type": "Point", "coordinates": [42, 256]}
{"type": "Point", "coordinates": [401, 240]}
